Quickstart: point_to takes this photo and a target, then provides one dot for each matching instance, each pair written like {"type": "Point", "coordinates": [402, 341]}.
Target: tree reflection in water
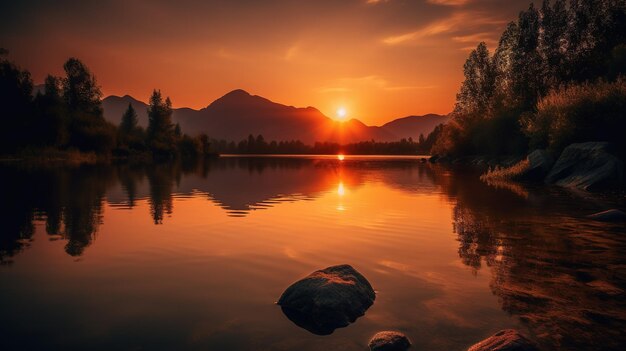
{"type": "Point", "coordinates": [560, 273]}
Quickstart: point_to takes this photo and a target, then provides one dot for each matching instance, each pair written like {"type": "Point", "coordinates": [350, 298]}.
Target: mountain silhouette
{"type": "Point", "coordinates": [413, 126]}
{"type": "Point", "coordinates": [238, 114]}
{"type": "Point", "coordinates": [115, 106]}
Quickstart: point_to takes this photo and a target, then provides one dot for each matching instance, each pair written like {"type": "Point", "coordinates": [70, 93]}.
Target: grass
{"type": "Point", "coordinates": [512, 173]}
{"type": "Point", "coordinates": [48, 155]}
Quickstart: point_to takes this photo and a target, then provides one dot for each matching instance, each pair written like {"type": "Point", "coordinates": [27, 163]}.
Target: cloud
{"type": "Point", "coordinates": [455, 23]}
{"type": "Point", "coordinates": [449, 2]}
{"type": "Point", "coordinates": [475, 39]}
{"type": "Point", "coordinates": [374, 2]}
{"type": "Point", "coordinates": [334, 90]}
{"type": "Point", "coordinates": [291, 52]}
{"type": "Point", "coordinates": [368, 82]}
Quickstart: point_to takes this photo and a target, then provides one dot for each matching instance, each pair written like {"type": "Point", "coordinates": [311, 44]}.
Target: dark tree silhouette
{"type": "Point", "coordinates": [87, 127]}
{"type": "Point", "coordinates": [160, 133]}
{"type": "Point", "coordinates": [540, 56]}
{"type": "Point", "coordinates": [16, 89]}
{"type": "Point", "coordinates": [129, 120]}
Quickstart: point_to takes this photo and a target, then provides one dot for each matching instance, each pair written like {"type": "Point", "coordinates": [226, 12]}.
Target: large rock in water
{"type": "Point", "coordinates": [505, 340]}
{"type": "Point", "coordinates": [613, 215]}
{"type": "Point", "coordinates": [327, 299]}
{"type": "Point", "coordinates": [389, 341]}
{"type": "Point", "coordinates": [587, 166]}
{"type": "Point", "coordinates": [540, 163]}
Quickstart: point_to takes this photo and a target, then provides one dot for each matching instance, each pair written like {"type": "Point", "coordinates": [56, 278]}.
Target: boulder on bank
{"type": "Point", "coordinates": [327, 299]}
{"type": "Point", "coordinates": [389, 341]}
{"type": "Point", "coordinates": [587, 166]}
{"type": "Point", "coordinates": [612, 215]}
{"type": "Point", "coordinates": [540, 163]}
{"type": "Point", "coordinates": [505, 340]}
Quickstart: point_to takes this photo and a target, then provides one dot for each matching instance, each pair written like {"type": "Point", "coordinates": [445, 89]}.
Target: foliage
{"type": "Point", "coordinates": [16, 88]}
{"type": "Point", "coordinates": [66, 119]}
{"type": "Point", "coordinates": [160, 133]}
{"type": "Point", "coordinates": [506, 173]}
{"type": "Point", "coordinates": [88, 131]}
{"type": "Point", "coordinates": [578, 113]}
{"type": "Point", "coordinates": [258, 145]}
{"type": "Point", "coordinates": [561, 44]}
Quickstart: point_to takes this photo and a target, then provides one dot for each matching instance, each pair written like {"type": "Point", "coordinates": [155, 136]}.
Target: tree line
{"type": "Point", "coordinates": [553, 79]}
{"type": "Point", "coordinates": [68, 115]}
{"type": "Point", "coordinates": [258, 145]}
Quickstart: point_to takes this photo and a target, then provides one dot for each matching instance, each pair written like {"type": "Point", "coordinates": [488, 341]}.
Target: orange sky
{"type": "Point", "coordinates": [380, 59]}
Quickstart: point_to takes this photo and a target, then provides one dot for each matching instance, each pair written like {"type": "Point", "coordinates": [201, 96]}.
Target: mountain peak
{"type": "Point", "coordinates": [237, 93]}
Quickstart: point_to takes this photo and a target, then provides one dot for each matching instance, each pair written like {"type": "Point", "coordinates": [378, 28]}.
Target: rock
{"type": "Point", "coordinates": [327, 299]}
{"type": "Point", "coordinates": [587, 166]}
{"type": "Point", "coordinates": [389, 341]}
{"type": "Point", "coordinates": [540, 163]}
{"type": "Point", "coordinates": [613, 215]}
{"type": "Point", "coordinates": [505, 340]}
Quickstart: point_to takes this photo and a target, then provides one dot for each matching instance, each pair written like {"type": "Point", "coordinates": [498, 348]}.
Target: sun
{"type": "Point", "coordinates": [341, 113]}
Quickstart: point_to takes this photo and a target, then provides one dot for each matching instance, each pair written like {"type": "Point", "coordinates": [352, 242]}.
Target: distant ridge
{"type": "Point", "coordinates": [413, 126]}
{"type": "Point", "coordinates": [238, 114]}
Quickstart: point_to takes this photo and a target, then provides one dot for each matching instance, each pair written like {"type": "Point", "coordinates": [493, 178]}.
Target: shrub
{"type": "Point", "coordinates": [579, 113]}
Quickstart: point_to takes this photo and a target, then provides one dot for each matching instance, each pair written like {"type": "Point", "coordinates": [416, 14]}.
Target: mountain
{"type": "Point", "coordinates": [115, 106]}
{"type": "Point", "coordinates": [238, 114]}
{"type": "Point", "coordinates": [413, 126]}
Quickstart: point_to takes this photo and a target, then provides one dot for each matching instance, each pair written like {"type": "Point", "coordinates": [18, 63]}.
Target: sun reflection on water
{"type": "Point", "coordinates": [341, 191]}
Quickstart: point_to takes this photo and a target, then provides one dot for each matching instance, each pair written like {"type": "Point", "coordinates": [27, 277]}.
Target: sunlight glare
{"type": "Point", "coordinates": [341, 157]}
{"type": "Point", "coordinates": [341, 114]}
{"type": "Point", "coordinates": [341, 191]}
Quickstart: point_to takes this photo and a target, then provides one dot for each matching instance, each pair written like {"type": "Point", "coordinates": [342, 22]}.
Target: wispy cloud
{"type": "Point", "coordinates": [347, 84]}
{"type": "Point", "coordinates": [452, 24]}
{"type": "Point", "coordinates": [475, 39]}
{"type": "Point", "coordinates": [228, 55]}
{"type": "Point", "coordinates": [449, 2]}
{"type": "Point", "coordinates": [291, 52]}
{"type": "Point", "coordinates": [334, 90]}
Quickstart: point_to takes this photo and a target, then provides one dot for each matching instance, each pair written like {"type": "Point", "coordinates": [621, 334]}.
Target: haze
{"type": "Point", "coordinates": [377, 59]}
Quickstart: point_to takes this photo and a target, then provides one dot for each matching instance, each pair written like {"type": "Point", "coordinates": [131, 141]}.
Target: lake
{"type": "Point", "coordinates": [194, 255]}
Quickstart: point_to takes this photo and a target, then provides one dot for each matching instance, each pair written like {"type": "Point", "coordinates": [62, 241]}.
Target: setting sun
{"type": "Point", "coordinates": [341, 113]}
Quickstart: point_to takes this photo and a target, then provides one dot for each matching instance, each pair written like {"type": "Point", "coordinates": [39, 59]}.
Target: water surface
{"type": "Point", "coordinates": [193, 256]}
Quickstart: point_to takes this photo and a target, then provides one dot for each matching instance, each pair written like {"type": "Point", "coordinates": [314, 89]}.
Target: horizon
{"type": "Point", "coordinates": [327, 55]}
{"type": "Point", "coordinates": [287, 175]}
{"type": "Point", "coordinates": [332, 117]}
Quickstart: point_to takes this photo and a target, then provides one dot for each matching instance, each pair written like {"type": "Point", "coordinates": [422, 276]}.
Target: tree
{"type": "Point", "coordinates": [503, 65]}
{"type": "Point", "coordinates": [16, 87]}
{"type": "Point", "coordinates": [553, 42]}
{"type": "Point", "coordinates": [87, 128]}
{"type": "Point", "coordinates": [479, 84]}
{"type": "Point", "coordinates": [129, 120]}
{"type": "Point", "coordinates": [205, 145]}
{"type": "Point", "coordinates": [526, 69]}
{"type": "Point", "coordinates": [476, 88]}
{"type": "Point", "coordinates": [130, 135]}
{"type": "Point", "coordinates": [80, 89]}
{"type": "Point", "coordinates": [160, 133]}
{"type": "Point", "coordinates": [51, 122]}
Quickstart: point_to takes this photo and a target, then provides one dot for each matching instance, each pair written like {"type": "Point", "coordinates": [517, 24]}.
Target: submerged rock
{"type": "Point", "coordinates": [612, 215]}
{"type": "Point", "coordinates": [587, 166]}
{"type": "Point", "coordinates": [389, 341]}
{"type": "Point", "coordinates": [540, 163]}
{"type": "Point", "coordinates": [327, 299]}
{"type": "Point", "coordinates": [505, 340]}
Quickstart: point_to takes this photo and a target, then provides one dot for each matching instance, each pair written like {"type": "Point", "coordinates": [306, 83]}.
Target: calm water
{"type": "Point", "coordinates": [193, 256]}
